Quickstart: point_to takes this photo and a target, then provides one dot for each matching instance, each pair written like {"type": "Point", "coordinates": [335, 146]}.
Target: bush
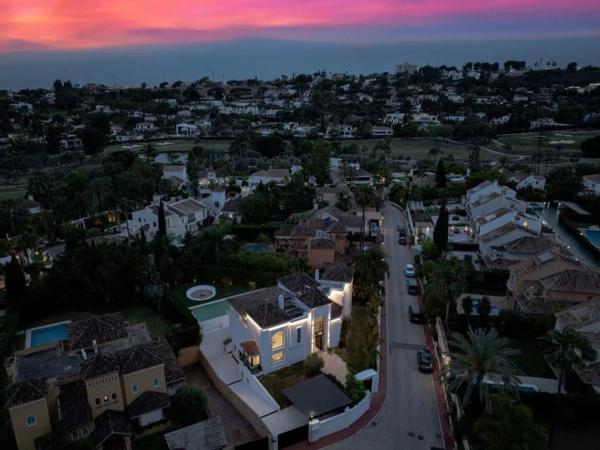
{"type": "Point", "coordinates": [354, 388]}
{"type": "Point", "coordinates": [313, 365]}
{"type": "Point", "coordinates": [188, 406]}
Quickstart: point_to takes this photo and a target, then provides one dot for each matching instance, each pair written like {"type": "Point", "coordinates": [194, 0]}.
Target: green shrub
{"type": "Point", "coordinates": [188, 406]}
{"type": "Point", "coordinates": [313, 365]}
{"type": "Point", "coordinates": [354, 388]}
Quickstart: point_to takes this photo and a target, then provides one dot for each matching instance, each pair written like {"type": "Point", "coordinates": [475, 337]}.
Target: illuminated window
{"type": "Point", "coordinates": [30, 421]}
{"type": "Point", "coordinates": [524, 223]}
{"type": "Point", "coordinates": [277, 357]}
{"type": "Point", "coordinates": [106, 399]}
{"type": "Point", "coordinates": [277, 340]}
{"type": "Point", "coordinates": [254, 360]}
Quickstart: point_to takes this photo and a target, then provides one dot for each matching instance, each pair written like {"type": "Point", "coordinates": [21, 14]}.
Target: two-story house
{"type": "Point", "coordinates": [105, 378]}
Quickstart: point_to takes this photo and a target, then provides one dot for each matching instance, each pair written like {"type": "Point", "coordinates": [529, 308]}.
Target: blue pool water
{"type": "Point", "coordinates": [258, 248]}
{"type": "Point", "coordinates": [592, 235]}
{"type": "Point", "coordinates": [46, 335]}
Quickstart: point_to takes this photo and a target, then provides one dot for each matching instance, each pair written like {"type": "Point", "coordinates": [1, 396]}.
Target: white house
{"type": "Point", "coordinates": [274, 327]}
{"type": "Point", "coordinates": [336, 164]}
{"type": "Point", "coordinates": [341, 131]}
{"type": "Point", "coordinates": [181, 217]}
{"type": "Point", "coordinates": [175, 171]}
{"type": "Point", "coordinates": [394, 118]}
{"type": "Point", "coordinates": [186, 129]}
{"type": "Point", "coordinates": [277, 176]}
{"type": "Point", "coordinates": [424, 120]}
{"type": "Point", "coordinates": [532, 181]}
{"type": "Point", "coordinates": [591, 183]}
{"type": "Point", "coordinates": [381, 131]}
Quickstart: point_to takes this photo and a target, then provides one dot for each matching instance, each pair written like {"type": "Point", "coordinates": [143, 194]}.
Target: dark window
{"type": "Point", "coordinates": [114, 396]}
{"type": "Point", "coordinates": [97, 401]}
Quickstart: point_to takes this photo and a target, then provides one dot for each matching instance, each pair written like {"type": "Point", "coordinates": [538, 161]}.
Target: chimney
{"type": "Point", "coordinates": [317, 275]}
{"type": "Point", "coordinates": [95, 345]}
{"type": "Point", "coordinates": [280, 302]}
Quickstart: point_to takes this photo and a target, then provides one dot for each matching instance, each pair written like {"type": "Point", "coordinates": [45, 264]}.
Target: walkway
{"type": "Point", "coordinates": [334, 365]}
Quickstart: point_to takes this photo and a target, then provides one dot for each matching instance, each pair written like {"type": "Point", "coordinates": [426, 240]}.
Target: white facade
{"type": "Point", "coordinates": [591, 183]}
{"type": "Point", "coordinates": [186, 129]}
{"type": "Point", "coordinates": [533, 181]}
{"type": "Point", "coordinates": [382, 132]}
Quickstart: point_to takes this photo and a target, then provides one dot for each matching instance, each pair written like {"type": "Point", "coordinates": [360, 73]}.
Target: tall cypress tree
{"type": "Point", "coordinates": [440, 174]}
{"type": "Point", "coordinates": [440, 232]}
{"type": "Point", "coordinates": [162, 222]}
{"type": "Point", "coordinates": [15, 281]}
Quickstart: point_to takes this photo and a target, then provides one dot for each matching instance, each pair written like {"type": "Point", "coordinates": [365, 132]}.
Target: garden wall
{"type": "Point", "coordinates": [188, 356]}
{"type": "Point", "coordinates": [318, 429]}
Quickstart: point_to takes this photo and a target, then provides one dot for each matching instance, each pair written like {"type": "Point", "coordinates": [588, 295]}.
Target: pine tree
{"type": "Point", "coordinates": [15, 281]}
{"type": "Point", "coordinates": [440, 232]}
{"type": "Point", "coordinates": [162, 222]}
{"type": "Point", "coordinates": [440, 174]}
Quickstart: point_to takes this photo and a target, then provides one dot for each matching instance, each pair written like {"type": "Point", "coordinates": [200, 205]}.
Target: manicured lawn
{"type": "Point", "coordinates": [284, 378]}
{"type": "Point", "coordinates": [12, 192]}
{"type": "Point", "coordinates": [222, 292]}
{"type": "Point", "coordinates": [531, 360]}
{"type": "Point", "coordinates": [172, 145]}
{"type": "Point", "coordinates": [567, 140]}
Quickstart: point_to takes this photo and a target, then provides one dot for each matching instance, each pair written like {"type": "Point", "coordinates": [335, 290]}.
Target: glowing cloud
{"type": "Point", "coordinates": [70, 24]}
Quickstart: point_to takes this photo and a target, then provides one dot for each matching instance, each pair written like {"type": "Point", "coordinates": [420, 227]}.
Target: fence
{"type": "Point", "coordinates": [318, 429]}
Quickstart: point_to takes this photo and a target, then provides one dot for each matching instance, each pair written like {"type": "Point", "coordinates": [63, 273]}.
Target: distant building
{"type": "Point", "coordinates": [406, 68]}
{"type": "Point", "coordinates": [382, 131]}
{"type": "Point", "coordinates": [591, 183]}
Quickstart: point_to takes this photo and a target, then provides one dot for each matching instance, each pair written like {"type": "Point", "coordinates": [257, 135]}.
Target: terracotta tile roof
{"type": "Point", "coordinates": [100, 364]}
{"type": "Point", "coordinates": [138, 357]}
{"type": "Point", "coordinates": [146, 402]}
{"type": "Point", "coordinates": [109, 424]}
{"type": "Point", "coordinates": [580, 315]}
{"type": "Point", "coordinates": [261, 305]}
{"type": "Point", "coordinates": [573, 280]}
{"type": "Point", "coordinates": [322, 244]}
{"type": "Point", "coordinates": [298, 281]}
{"type": "Point", "coordinates": [173, 373]}
{"type": "Point", "coordinates": [73, 405]}
{"type": "Point", "coordinates": [531, 245]}
{"type": "Point", "coordinates": [106, 328]}
{"type": "Point", "coordinates": [186, 206]}
{"type": "Point", "coordinates": [25, 391]}
{"type": "Point", "coordinates": [337, 272]}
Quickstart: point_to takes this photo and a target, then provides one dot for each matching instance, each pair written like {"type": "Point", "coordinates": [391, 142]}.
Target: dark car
{"type": "Point", "coordinates": [412, 286]}
{"type": "Point", "coordinates": [425, 360]}
{"type": "Point", "coordinates": [414, 314]}
{"type": "Point", "coordinates": [402, 240]}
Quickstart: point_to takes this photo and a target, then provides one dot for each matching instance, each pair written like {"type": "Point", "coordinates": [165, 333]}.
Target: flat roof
{"type": "Point", "coordinates": [317, 396]}
{"type": "Point", "coordinates": [575, 208]}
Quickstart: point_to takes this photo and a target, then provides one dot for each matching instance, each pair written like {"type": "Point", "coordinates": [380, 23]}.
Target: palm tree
{"type": "Point", "coordinates": [481, 355]}
{"type": "Point", "coordinates": [368, 270]}
{"type": "Point", "coordinates": [449, 280]}
{"type": "Point", "coordinates": [149, 152]}
{"type": "Point", "coordinates": [568, 349]}
{"type": "Point", "coordinates": [364, 196]}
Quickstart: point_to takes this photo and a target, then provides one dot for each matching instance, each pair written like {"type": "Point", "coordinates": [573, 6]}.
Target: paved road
{"type": "Point", "coordinates": [409, 419]}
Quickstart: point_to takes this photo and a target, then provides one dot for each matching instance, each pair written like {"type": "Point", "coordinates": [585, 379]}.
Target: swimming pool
{"type": "Point", "coordinates": [258, 248]}
{"type": "Point", "coordinates": [46, 334]}
{"type": "Point", "coordinates": [592, 235]}
{"type": "Point", "coordinates": [210, 311]}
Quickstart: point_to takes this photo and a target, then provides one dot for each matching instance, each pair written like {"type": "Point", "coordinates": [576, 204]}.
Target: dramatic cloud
{"type": "Point", "coordinates": [71, 24]}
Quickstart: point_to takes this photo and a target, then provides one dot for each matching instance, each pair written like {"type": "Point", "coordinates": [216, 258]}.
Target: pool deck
{"type": "Point", "coordinates": [28, 331]}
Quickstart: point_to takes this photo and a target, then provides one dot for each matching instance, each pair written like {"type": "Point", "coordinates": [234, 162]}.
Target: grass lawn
{"type": "Point", "coordinates": [567, 140]}
{"type": "Point", "coordinates": [276, 382]}
{"type": "Point", "coordinates": [531, 361]}
{"type": "Point", "coordinates": [360, 352]}
{"type": "Point", "coordinates": [222, 292]}
{"type": "Point", "coordinates": [173, 145]}
{"type": "Point", "coordinates": [12, 192]}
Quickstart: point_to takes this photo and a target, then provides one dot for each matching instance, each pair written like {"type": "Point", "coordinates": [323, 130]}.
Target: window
{"type": "Point", "coordinates": [30, 421]}
{"type": "Point", "coordinates": [84, 432]}
{"type": "Point", "coordinates": [97, 401]}
{"type": "Point", "coordinates": [298, 335]}
{"type": "Point", "coordinates": [106, 399]}
{"type": "Point", "coordinates": [114, 396]}
{"type": "Point", "coordinates": [135, 388]}
{"type": "Point", "coordinates": [277, 357]}
{"type": "Point", "coordinates": [156, 382]}
{"type": "Point", "coordinates": [277, 340]}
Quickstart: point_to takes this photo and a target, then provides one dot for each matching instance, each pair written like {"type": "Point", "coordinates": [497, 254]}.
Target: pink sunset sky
{"type": "Point", "coordinates": [95, 24]}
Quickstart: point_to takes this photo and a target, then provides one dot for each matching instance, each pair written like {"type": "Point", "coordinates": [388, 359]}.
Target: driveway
{"type": "Point", "coordinates": [237, 428]}
{"type": "Point", "coordinates": [409, 417]}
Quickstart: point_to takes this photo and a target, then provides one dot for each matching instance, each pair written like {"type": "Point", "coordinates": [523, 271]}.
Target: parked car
{"type": "Point", "coordinates": [425, 360]}
{"type": "Point", "coordinates": [414, 314]}
{"type": "Point", "coordinates": [409, 271]}
{"type": "Point", "coordinates": [402, 240]}
{"type": "Point", "coordinates": [412, 286]}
